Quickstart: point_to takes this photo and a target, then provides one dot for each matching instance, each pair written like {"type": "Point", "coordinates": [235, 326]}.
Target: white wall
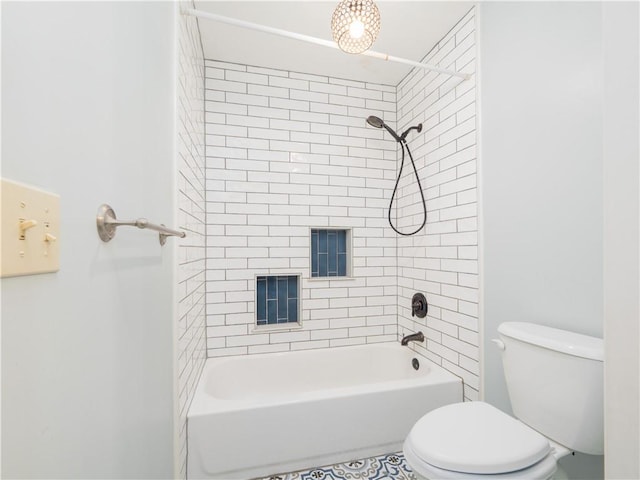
{"type": "Point", "coordinates": [286, 152]}
{"type": "Point", "coordinates": [621, 256]}
{"type": "Point", "coordinates": [441, 260]}
{"type": "Point", "coordinates": [191, 338]}
{"type": "Point", "coordinates": [87, 365]}
{"type": "Point", "coordinates": [541, 165]}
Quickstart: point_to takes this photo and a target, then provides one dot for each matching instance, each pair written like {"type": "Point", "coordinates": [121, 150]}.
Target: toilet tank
{"type": "Point", "coordinates": [556, 383]}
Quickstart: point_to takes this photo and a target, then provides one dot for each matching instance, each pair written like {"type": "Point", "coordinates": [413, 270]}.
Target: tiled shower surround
{"type": "Point", "coordinates": [288, 152]}
{"type": "Point", "coordinates": [443, 261]}
{"type": "Point", "coordinates": [190, 186]}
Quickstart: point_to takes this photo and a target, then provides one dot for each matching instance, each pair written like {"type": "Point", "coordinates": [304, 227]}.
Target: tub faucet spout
{"type": "Point", "coordinates": [414, 337]}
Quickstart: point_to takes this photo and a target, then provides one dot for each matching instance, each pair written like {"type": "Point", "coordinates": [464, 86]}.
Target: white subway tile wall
{"type": "Point", "coordinates": [287, 152]}
{"type": "Point", "coordinates": [190, 178]}
{"type": "Point", "coordinates": [442, 261]}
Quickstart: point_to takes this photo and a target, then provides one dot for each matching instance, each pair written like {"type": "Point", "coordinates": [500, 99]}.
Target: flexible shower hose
{"type": "Point", "coordinates": [395, 189]}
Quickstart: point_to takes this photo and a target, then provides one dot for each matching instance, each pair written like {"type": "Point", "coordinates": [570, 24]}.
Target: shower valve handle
{"type": "Point", "coordinates": [419, 306]}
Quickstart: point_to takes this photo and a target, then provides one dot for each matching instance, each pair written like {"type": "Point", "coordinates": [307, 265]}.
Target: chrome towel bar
{"type": "Point", "coordinates": [107, 223]}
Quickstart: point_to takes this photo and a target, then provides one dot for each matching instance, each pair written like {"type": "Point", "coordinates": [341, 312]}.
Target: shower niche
{"type": "Point", "coordinates": [277, 299]}
{"type": "Point", "coordinates": [330, 253]}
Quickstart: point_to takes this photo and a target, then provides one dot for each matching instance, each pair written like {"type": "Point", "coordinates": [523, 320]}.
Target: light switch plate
{"type": "Point", "coordinates": [30, 238]}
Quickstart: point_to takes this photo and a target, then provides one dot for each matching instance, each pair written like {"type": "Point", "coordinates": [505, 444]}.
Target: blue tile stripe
{"type": "Point", "coordinates": [328, 253]}
{"type": "Point", "coordinates": [276, 299]}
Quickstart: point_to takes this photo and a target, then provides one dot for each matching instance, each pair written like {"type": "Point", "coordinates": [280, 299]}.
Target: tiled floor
{"type": "Point", "coordinates": [385, 467]}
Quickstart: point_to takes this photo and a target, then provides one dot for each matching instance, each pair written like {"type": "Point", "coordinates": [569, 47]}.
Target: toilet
{"type": "Point", "coordinates": [555, 383]}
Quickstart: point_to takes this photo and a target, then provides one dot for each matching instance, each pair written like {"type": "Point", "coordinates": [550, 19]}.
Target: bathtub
{"type": "Point", "coordinates": [258, 415]}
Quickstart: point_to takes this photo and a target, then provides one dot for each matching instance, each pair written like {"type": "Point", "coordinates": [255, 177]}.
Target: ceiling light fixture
{"type": "Point", "coordinates": [355, 25]}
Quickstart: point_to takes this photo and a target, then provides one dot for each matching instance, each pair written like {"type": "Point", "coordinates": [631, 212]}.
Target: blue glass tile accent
{"type": "Point", "coordinates": [342, 253]}
{"type": "Point", "coordinates": [314, 254]}
{"type": "Point", "coordinates": [282, 299]}
{"type": "Point", "coordinates": [292, 291]}
{"type": "Point", "coordinates": [342, 264]}
{"type": "Point", "coordinates": [328, 253]}
{"type": "Point", "coordinates": [261, 301]}
{"type": "Point", "coordinates": [322, 261]}
{"type": "Point", "coordinates": [332, 246]}
{"type": "Point", "coordinates": [272, 311]}
{"type": "Point", "coordinates": [342, 241]}
{"type": "Point", "coordinates": [293, 310]}
{"type": "Point", "coordinates": [322, 241]}
{"type": "Point", "coordinates": [276, 299]}
{"type": "Point", "coordinates": [272, 289]}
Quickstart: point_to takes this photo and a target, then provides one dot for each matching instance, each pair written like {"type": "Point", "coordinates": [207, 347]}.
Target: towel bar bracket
{"type": "Point", "coordinates": [107, 223]}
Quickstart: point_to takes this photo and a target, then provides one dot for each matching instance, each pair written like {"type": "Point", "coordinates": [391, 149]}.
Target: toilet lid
{"type": "Point", "coordinates": [475, 437]}
{"type": "Point", "coordinates": [543, 470]}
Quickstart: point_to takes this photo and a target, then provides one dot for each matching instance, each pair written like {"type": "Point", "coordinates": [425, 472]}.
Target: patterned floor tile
{"type": "Point", "coordinates": [384, 467]}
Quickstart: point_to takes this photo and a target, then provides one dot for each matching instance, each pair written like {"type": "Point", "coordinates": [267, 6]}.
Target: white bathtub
{"type": "Point", "coordinates": [258, 415]}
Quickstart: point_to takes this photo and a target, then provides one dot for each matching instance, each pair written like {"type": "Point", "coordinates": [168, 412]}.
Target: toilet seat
{"type": "Point", "coordinates": [542, 470]}
{"type": "Point", "coordinates": [475, 438]}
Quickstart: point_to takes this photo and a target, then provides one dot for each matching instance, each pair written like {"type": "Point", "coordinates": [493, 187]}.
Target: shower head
{"type": "Point", "coordinates": [378, 123]}
{"type": "Point", "coordinates": [375, 122]}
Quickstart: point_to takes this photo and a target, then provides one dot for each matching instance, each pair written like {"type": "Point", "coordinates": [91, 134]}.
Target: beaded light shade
{"type": "Point", "coordinates": [355, 25]}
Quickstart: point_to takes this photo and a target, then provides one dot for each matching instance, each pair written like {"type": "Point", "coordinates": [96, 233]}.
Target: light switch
{"type": "Point", "coordinates": [30, 230]}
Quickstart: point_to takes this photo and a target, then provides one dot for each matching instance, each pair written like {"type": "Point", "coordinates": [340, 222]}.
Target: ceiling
{"type": "Point", "coordinates": [409, 29]}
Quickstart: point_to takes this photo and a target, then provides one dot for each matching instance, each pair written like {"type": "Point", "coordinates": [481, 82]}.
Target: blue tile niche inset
{"type": "Point", "coordinates": [277, 299]}
{"type": "Point", "coordinates": [328, 253]}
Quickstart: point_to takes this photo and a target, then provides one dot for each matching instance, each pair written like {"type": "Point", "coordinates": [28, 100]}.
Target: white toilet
{"type": "Point", "coordinates": [555, 383]}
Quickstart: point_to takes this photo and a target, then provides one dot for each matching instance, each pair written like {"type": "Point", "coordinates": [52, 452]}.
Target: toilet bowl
{"type": "Point", "coordinates": [555, 384]}
{"type": "Point", "coordinates": [475, 440]}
